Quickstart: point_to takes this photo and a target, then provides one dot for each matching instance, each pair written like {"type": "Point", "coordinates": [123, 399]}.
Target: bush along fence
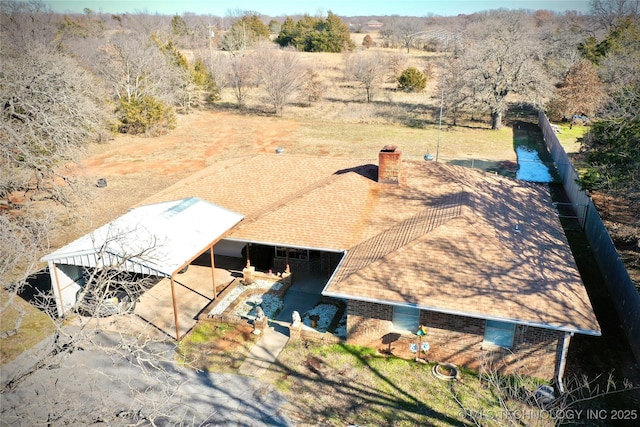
{"type": "Point", "coordinates": [625, 296]}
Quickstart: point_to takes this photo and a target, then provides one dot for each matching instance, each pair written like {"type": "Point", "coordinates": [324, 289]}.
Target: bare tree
{"type": "Point", "coordinates": [50, 108]}
{"type": "Point", "coordinates": [402, 32]}
{"type": "Point", "coordinates": [503, 55]}
{"type": "Point", "coordinates": [610, 12]}
{"type": "Point", "coordinates": [407, 32]}
{"type": "Point", "coordinates": [458, 93]}
{"type": "Point", "coordinates": [27, 23]}
{"type": "Point", "coordinates": [368, 69]}
{"type": "Point", "coordinates": [561, 47]}
{"type": "Point", "coordinates": [280, 74]}
{"type": "Point", "coordinates": [219, 67]}
{"type": "Point", "coordinates": [241, 76]}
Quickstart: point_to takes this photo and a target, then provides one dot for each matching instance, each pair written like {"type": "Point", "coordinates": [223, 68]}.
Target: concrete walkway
{"type": "Point", "coordinates": [301, 297]}
{"type": "Point", "coordinates": [265, 351]}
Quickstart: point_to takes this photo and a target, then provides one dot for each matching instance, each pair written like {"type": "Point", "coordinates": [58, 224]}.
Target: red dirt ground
{"type": "Point", "coordinates": [199, 139]}
{"type": "Point", "coordinates": [136, 167]}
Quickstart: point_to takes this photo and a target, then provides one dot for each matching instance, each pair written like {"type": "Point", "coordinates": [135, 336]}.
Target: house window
{"type": "Point", "coordinates": [499, 333]}
{"type": "Point", "coordinates": [406, 319]}
{"type": "Point", "coordinates": [292, 253]}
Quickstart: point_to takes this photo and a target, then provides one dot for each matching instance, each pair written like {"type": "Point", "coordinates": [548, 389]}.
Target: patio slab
{"type": "Point", "coordinates": [194, 291]}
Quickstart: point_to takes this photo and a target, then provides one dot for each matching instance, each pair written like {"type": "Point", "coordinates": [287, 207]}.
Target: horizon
{"type": "Point", "coordinates": [275, 8]}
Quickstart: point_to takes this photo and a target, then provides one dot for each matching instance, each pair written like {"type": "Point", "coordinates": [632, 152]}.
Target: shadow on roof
{"type": "Point", "coordinates": [369, 171]}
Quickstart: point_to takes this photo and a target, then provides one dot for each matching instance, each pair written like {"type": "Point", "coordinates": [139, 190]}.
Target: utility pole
{"type": "Point", "coordinates": [446, 36]}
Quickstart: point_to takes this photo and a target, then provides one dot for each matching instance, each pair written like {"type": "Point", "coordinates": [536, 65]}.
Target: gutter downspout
{"type": "Point", "coordinates": [563, 360]}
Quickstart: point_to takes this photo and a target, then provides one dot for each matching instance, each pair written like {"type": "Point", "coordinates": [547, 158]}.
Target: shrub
{"type": "Point", "coordinates": [312, 88]}
{"type": "Point", "coordinates": [145, 115]}
{"type": "Point", "coordinates": [412, 80]}
{"type": "Point", "coordinates": [367, 41]}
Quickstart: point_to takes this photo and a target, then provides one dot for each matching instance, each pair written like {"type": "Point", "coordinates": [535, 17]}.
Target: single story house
{"type": "Point", "coordinates": [481, 260]}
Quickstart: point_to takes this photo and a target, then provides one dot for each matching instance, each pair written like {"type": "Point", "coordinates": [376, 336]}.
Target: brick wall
{"type": "Point", "coordinates": [301, 266]}
{"type": "Point", "coordinates": [456, 339]}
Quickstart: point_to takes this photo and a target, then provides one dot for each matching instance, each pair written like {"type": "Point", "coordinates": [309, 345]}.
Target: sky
{"type": "Point", "coordinates": [274, 8]}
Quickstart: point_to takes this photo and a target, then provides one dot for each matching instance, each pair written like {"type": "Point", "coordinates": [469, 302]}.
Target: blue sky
{"type": "Point", "coordinates": [313, 7]}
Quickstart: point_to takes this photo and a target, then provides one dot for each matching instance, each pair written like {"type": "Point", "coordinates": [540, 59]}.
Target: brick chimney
{"type": "Point", "coordinates": [389, 165]}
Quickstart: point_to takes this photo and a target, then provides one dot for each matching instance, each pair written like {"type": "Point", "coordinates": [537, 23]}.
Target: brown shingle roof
{"type": "Point", "coordinates": [449, 239]}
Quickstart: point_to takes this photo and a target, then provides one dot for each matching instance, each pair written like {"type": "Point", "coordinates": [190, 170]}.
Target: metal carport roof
{"type": "Point", "coordinates": [158, 239]}
{"type": "Point", "coordinates": [155, 239]}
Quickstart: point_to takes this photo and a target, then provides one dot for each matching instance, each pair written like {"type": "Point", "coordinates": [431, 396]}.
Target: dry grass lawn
{"type": "Point", "coordinates": [216, 347]}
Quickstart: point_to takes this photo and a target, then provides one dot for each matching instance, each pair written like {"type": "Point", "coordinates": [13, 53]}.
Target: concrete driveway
{"type": "Point", "coordinates": [105, 383]}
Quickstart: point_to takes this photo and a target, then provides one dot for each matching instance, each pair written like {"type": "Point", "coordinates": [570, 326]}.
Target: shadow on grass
{"type": "Point", "coordinates": [352, 385]}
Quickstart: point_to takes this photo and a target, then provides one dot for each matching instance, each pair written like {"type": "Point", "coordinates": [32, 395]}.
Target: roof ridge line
{"type": "Point", "coordinates": [279, 203]}
{"type": "Point", "coordinates": [417, 225]}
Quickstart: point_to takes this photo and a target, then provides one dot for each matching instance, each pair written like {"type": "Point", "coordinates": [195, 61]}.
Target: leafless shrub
{"type": "Point", "coordinates": [368, 69]}
{"type": "Point", "coordinates": [523, 399]}
{"type": "Point", "coordinates": [312, 87]}
{"type": "Point", "coordinates": [280, 73]}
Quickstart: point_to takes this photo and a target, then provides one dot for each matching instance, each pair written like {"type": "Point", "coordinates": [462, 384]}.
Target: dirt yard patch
{"type": "Point", "coordinates": [622, 219]}
{"type": "Point", "coordinates": [135, 167]}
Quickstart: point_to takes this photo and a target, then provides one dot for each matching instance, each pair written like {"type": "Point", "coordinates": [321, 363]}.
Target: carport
{"type": "Point", "coordinates": [154, 240]}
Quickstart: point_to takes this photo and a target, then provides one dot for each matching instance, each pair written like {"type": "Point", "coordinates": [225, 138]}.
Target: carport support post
{"type": "Point", "coordinates": [213, 273]}
{"type": "Point", "coordinates": [175, 307]}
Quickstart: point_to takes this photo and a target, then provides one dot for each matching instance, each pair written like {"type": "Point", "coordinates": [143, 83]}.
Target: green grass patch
{"type": "Point", "coordinates": [216, 347]}
{"type": "Point", "coordinates": [569, 136]}
{"type": "Point", "coordinates": [336, 385]}
{"type": "Point", "coordinates": [35, 326]}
